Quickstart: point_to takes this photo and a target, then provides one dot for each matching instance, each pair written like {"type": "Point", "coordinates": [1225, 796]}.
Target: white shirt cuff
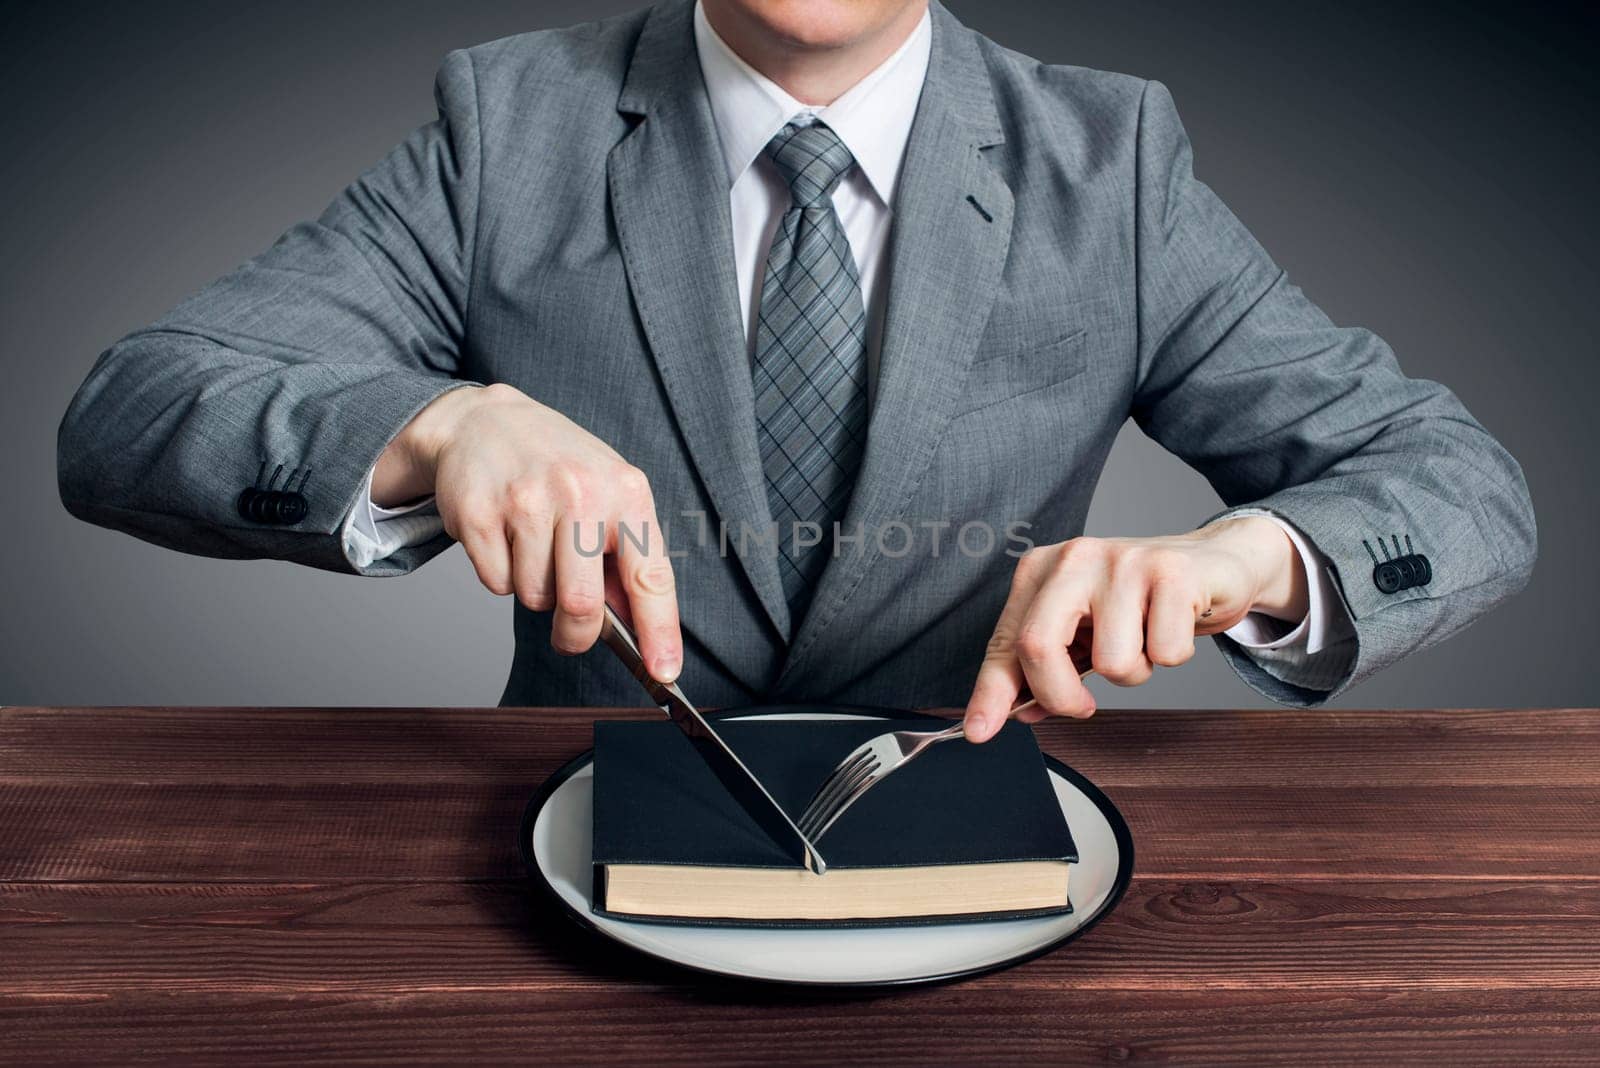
{"type": "Point", "coordinates": [372, 533]}
{"type": "Point", "coordinates": [1322, 625]}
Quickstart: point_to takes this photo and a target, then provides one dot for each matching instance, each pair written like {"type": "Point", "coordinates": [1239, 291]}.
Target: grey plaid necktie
{"type": "Point", "coordinates": [811, 361]}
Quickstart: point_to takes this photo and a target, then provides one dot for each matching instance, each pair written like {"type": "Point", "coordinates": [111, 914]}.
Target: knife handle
{"type": "Point", "coordinates": [615, 633]}
{"type": "Point", "coordinates": [620, 638]}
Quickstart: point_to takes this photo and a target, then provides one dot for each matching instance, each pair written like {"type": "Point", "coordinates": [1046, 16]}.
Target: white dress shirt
{"type": "Point", "coordinates": [873, 120]}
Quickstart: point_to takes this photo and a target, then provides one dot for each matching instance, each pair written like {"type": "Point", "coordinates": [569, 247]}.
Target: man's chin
{"type": "Point", "coordinates": [823, 25]}
{"type": "Point", "coordinates": [814, 32]}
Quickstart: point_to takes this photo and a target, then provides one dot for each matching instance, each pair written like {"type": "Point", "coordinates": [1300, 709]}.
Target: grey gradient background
{"type": "Point", "coordinates": [1425, 170]}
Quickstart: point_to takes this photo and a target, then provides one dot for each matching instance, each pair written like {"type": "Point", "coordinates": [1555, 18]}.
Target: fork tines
{"type": "Point", "coordinates": [837, 791]}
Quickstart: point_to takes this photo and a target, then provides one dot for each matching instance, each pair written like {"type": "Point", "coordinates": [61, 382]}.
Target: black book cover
{"type": "Point", "coordinates": [656, 802]}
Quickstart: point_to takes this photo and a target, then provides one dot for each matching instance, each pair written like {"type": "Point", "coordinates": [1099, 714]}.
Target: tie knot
{"type": "Point", "coordinates": [811, 159]}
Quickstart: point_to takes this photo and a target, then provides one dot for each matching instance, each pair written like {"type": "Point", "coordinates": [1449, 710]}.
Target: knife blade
{"type": "Point", "coordinates": [738, 779]}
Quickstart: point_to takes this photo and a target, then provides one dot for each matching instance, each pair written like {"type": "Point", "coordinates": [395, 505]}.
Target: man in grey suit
{"type": "Point", "coordinates": [794, 324]}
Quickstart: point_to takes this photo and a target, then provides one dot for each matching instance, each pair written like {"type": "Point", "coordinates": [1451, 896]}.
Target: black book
{"type": "Point", "coordinates": [963, 832]}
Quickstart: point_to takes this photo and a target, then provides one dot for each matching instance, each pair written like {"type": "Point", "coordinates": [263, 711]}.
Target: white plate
{"type": "Point", "coordinates": [558, 848]}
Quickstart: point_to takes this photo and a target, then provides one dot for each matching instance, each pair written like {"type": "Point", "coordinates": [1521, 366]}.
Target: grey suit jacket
{"type": "Point", "coordinates": [1055, 267]}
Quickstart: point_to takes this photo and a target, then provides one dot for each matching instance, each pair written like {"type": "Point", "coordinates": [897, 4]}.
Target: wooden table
{"type": "Point", "coordinates": [343, 885]}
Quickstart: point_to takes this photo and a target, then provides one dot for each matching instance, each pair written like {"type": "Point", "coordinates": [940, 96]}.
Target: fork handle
{"type": "Point", "coordinates": [1033, 702]}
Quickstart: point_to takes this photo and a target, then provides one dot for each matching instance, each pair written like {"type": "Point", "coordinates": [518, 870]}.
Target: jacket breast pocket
{"type": "Point", "coordinates": [995, 379]}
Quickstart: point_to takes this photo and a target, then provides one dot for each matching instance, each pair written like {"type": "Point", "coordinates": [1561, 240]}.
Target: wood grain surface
{"type": "Point", "coordinates": [342, 885]}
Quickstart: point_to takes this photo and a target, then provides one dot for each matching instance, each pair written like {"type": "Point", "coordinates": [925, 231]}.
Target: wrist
{"type": "Point", "coordinates": [406, 467]}
{"type": "Point", "coordinates": [1279, 577]}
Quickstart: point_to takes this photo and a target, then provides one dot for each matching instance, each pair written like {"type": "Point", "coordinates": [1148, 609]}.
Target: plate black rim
{"type": "Point", "coordinates": [1119, 830]}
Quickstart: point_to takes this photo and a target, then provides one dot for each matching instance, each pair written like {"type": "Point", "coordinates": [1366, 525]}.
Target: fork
{"type": "Point", "coordinates": [869, 764]}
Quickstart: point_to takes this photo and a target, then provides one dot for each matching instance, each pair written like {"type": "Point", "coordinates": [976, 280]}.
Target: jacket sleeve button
{"type": "Point", "coordinates": [261, 507]}
{"type": "Point", "coordinates": [292, 508]}
{"type": "Point", "coordinates": [1387, 577]}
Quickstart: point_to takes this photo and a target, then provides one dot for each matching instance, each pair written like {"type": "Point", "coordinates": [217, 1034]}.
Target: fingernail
{"type": "Point", "coordinates": [667, 668]}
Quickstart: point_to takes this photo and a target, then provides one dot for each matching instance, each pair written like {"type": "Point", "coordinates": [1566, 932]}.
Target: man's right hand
{"type": "Point", "coordinates": [522, 487]}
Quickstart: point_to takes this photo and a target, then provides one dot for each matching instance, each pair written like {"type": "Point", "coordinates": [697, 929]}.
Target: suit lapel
{"type": "Point", "coordinates": [669, 196]}
{"type": "Point", "coordinates": [951, 233]}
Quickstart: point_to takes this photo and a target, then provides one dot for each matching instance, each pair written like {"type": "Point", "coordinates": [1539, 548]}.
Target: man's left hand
{"type": "Point", "coordinates": [1125, 606]}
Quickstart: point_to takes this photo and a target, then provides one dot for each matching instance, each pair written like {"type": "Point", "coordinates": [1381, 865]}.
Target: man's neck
{"type": "Point", "coordinates": [812, 74]}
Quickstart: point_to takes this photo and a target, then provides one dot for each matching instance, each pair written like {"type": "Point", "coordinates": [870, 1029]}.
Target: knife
{"type": "Point", "coordinates": [739, 780]}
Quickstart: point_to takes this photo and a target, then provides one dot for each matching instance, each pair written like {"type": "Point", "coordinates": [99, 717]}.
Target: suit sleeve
{"type": "Point", "coordinates": [305, 361]}
{"type": "Point", "coordinates": [1250, 383]}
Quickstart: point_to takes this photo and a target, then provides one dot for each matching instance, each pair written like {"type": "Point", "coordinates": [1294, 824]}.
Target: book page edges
{"type": "Point", "coordinates": [842, 894]}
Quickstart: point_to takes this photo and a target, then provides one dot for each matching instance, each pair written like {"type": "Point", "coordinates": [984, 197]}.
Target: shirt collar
{"type": "Point", "coordinates": [873, 118]}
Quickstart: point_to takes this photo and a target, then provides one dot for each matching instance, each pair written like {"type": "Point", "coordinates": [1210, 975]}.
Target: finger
{"type": "Point", "coordinates": [1119, 612]}
{"type": "Point", "coordinates": [1169, 628]}
{"type": "Point", "coordinates": [580, 583]}
{"type": "Point", "coordinates": [1000, 677]}
{"type": "Point", "coordinates": [1029, 710]}
{"type": "Point", "coordinates": [1031, 714]}
{"type": "Point", "coordinates": [1050, 628]}
{"type": "Point", "coordinates": [482, 534]}
{"type": "Point", "coordinates": [533, 564]}
{"type": "Point", "coordinates": [999, 682]}
{"type": "Point", "coordinates": [647, 580]}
